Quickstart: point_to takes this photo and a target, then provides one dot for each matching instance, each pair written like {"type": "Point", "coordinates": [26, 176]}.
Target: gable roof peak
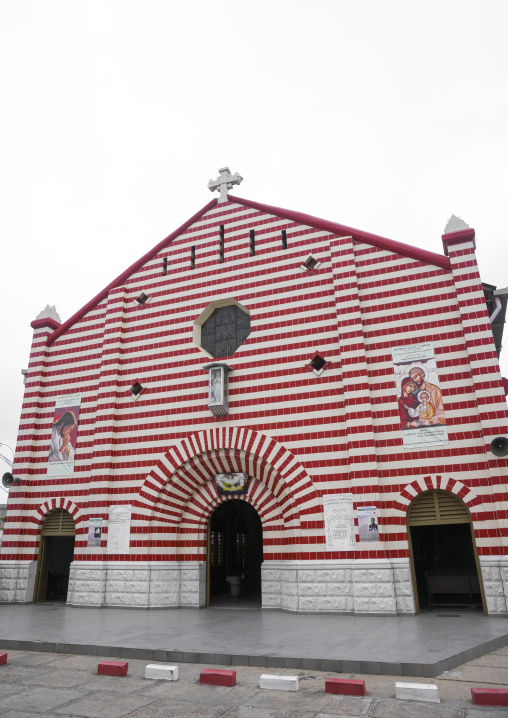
{"type": "Point", "coordinates": [455, 224]}
{"type": "Point", "coordinates": [49, 312]}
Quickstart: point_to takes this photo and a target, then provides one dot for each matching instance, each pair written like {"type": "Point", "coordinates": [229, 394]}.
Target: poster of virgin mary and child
{"type": "Point", "coordinates": [63, 435]}
{"type": "Point", "coordinates": [420, 403]}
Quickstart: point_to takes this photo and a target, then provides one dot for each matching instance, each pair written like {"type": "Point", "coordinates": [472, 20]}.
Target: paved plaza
{"type": "Point", "coordinates": [423, 645]}
{"type": "Point", "coordinates": [33, 684]}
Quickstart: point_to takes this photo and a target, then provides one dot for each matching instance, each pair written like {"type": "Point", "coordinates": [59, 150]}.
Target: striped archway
{"type": "Point", "coordinates": [428, 483]}
{"type": "Point", "coordinates": [178, 496]}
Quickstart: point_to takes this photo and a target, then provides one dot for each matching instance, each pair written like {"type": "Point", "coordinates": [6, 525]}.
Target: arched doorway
{"type": "Point", "coordinates": [56, 551]}
{"type": "Point", "coordinates": [235, 555]}
{"type": "Point", "coordinates": [444, 561]}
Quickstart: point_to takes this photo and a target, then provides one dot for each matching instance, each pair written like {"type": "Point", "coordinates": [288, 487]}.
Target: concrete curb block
{"type": "Point", "coordinates": [273, 682]}
{"type": "Point", "coordinates": [345, 687]}
{"type": "Point", "coordinates": [217, 677]}
{"type": "Point", "coordinates": [489, 696]}
{"type": "Point", "coordinates": [112, 668]}
{"type": "Point", "coordinates": [158, 672]}
{"type": "Point", "coordinates": [417, 692]}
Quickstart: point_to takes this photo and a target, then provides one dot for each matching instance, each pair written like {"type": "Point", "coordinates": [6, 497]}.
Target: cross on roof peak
{"type": "Point", "coordinates": [224, 181]}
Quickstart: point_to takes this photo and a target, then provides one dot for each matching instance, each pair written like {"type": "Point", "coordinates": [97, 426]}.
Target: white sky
{"type": "Point", "coordinates": [387, 116]}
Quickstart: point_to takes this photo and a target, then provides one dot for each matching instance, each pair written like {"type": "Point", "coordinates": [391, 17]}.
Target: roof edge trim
{"type": "Point", "coordinates": [125, 275]}
{"type": "Point", "coordinates": [391, 245]}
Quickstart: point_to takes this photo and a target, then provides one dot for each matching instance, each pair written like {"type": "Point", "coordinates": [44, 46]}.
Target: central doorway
{"type": "Point", "coordinates": [235, 555]}
{"type": "Point", "coordinates": [444, 561]}
{"type": "Point", "coordinates": [56, 551]}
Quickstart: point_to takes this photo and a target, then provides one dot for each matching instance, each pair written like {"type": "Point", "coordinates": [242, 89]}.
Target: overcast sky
{"type": "Point", "coordinates": [387, 116]}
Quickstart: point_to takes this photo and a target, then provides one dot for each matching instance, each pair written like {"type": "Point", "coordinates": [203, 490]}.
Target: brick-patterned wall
{"type": "Point", "coordinates": [297, 435]}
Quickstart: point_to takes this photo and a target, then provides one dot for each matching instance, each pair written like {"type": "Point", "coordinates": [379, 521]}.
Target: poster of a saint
{"type": "Point", "coordinates": [64, 433]}
{"type": "Point", "coordinates": [419, 399]}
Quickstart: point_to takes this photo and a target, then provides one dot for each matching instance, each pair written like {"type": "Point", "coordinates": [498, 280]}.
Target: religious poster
{"type": "Point", "coordinates": [368, 526]}
{"type": "Point", "coordinates": [420, 403]}
{"type": "Point", "coordinates": [94, 532]}
{"type": "Point", "coordinates": [339, 522]}
{"type": "Point", "coordinates": [231, 484]}
{"type": "Point", "coordinates": [64, 434]}
{"type": "Point", "coordinates": [119, 529]}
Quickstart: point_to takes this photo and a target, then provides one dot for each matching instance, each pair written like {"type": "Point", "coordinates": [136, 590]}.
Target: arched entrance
{"type": "Point", "coordinates": [56, 551]}
{"type": "Point", "coordinates": [235, 555]}
{"type": "Point", "coordinates": [444, 561]}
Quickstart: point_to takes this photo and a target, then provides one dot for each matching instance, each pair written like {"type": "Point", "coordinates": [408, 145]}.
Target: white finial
{"type": "Point", "coordinates": [49, 313]}
{"type": "Point", "coordinates": [224, 182]}
{"type": "Point", "coordinates": [455, 224]}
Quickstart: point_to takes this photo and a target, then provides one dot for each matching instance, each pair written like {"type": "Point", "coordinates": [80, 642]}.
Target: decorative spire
{"type": "Point", "coordinates": [224, 181]}
{"type": "Point", "coordinates": [455, 224]}
{"type": "Point", "coordinates": [49, 313]}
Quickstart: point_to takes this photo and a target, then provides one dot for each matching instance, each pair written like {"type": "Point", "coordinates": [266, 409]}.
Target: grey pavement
{"type": "Point", "coordinates": [56, 685]}
{"type": "Point", "coordinates": [423, 645]}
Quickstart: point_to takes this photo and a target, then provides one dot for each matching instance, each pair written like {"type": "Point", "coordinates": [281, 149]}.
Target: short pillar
{"type": "Point", "coordinates": [217, 677]}
{"type": "Point", "coordinates": [417, 692]}
{"type": "Point", "coordinates": [158, 672]}
{"type": "Point", "coordinates": [345, 687]}
{"type": "Point", "coordinates": [112, 668]}
{"type": "Point", "coordinates": [273, 682]}
{"type": "Point", "coordinates": [3, 659]}
{"type": "Point", "coordinates": [490, 696]}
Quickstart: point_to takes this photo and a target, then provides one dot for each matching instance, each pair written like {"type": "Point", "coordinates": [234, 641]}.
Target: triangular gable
{"type": "Point", "coordinates": [341, 230]}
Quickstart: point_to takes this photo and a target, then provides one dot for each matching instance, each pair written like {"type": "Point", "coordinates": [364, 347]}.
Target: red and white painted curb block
{"type": "Point", "coordinates": [160, 672]}
{"type": "Point", "coordinates": [217, 677]}
{"type": "Point", "coordinates": [489, 696]}
{"type": "Point", "coordinates": [345, 687]}
{"type": "Point", "coordinates": [273, 682]}
{"type": "Point", "coordinates": [417, 692]}
{"type": "Point", "coordinates": [112, 668]}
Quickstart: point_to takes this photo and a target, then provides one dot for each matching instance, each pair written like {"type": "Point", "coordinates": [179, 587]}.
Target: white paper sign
{"type": "Point", "coordinates": [339, 522]}
{"type": "Point", "coordinates": [368, 526]}
{"type": "Point", "coordinates": [119, 529]}
{"type": "Point", "coordinates": [94, 532]}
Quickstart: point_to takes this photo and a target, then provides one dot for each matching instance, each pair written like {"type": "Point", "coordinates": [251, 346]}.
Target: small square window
{"type": "Point", "coordinates": [142, 298]}
{"type": "Point", "coordinates": [137, 389]}
{"type": "Point", "coordinates": [318, 364]}
{"type": "Point", "coordinates": [310, 264]}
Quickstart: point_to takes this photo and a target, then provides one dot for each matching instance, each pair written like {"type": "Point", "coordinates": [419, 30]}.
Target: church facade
{"type": "Point", "coordinates": [267, 407]}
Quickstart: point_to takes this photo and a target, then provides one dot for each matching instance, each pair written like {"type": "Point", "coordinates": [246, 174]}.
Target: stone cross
{"type": "Point", "coordinates": [224, 182]}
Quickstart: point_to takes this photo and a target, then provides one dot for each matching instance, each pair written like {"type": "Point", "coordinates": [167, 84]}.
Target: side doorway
{"type": "Point", "coordinates": [444, 560]}
{"type": "Point", "coordinates": [56, 551]}
{"type": "Point", "coordinates": [235, 555]}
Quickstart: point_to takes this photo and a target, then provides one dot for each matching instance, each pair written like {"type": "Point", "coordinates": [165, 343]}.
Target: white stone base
{"type": "Point", "coordinates": [17, 579]}
{"type": "Point", "coordinates": [361, 586]}
{"type": "Point", "coordinates": [364, 586]}
{"type": "Point", "coordinates": [495, 583]}
{"type": "Point", "coordinates": [163, 584]}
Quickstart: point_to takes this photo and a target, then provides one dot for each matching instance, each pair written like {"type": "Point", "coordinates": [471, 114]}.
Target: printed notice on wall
{"type": "Point", "coordinates": [94, 532]}
{"type": "Point", "coordinates": [64, 434]}
{"type": "Point", "coordinates": [339, 522]}
{"type": "Point", "coordinates": [420, 403]}
{"type": "Point", "coordinates": [119, 529]}
{"type": "Point", "coordinates": [368, 526]}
